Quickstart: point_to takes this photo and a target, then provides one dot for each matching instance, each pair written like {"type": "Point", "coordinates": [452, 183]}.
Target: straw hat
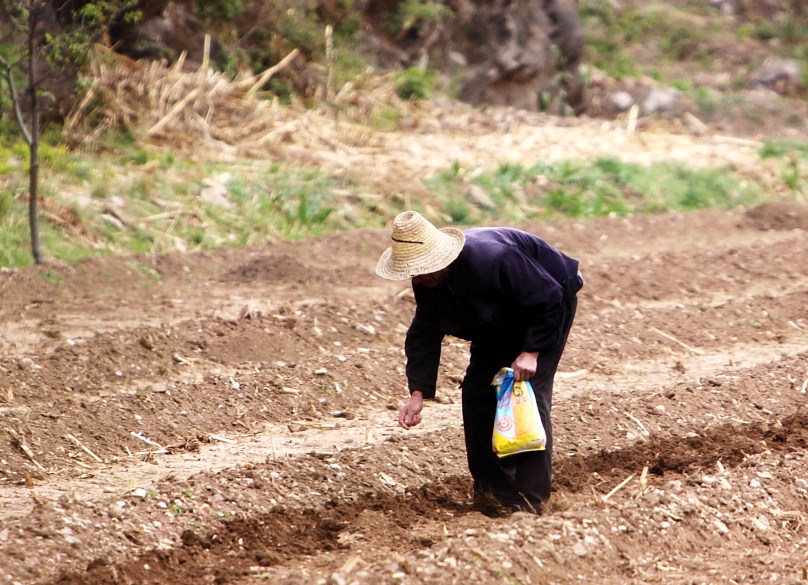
{"type": "Point", "coordinates": [418, 248]}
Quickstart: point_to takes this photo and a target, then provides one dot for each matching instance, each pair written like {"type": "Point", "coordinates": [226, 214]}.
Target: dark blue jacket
{"type": "Point", "coordinates": [506, 287]}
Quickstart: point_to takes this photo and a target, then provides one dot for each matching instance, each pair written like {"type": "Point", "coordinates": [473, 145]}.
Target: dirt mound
{"type": "Point", "coordinates": [779, 216]}
{"type": "Point", "coordinates": [273, 269]}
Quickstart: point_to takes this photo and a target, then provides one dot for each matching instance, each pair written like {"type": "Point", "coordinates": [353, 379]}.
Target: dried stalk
{"type": "Point", "coordinates": [267, 75]}
{"type": "Point", "coordinates": [673, 339]}
{"type": "Point", "coordinates": [618, 487]}
{"type": "Point", "coordinates": [84, 448]}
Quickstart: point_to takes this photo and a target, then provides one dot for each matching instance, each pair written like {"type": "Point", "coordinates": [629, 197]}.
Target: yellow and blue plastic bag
{"type": "Point", "coordinates": [517, 424]}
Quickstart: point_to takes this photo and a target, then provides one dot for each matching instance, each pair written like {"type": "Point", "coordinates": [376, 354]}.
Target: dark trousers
{"type": "Point", "coordinates": [522, 480]}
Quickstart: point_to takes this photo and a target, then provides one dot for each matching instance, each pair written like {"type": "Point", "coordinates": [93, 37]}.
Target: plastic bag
{"type": "Point", "coordinates": [517, 424]}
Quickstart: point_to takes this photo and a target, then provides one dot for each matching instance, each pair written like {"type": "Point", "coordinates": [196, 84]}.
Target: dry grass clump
{"type": "Point", "coordinates": [205, 112]}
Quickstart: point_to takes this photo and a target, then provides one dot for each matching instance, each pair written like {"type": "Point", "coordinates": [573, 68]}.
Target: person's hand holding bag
{"type": "Point", "coordinates": [524, 366]}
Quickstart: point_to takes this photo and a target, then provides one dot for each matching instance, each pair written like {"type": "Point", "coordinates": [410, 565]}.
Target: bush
{"type": "Point", "coordinates": [414, 84]}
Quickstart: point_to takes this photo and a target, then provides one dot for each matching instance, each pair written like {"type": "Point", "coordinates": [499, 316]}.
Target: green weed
{"type": "Point", "coordinates": [794, 155]}
{"type": "Point", "coordinates": [414, 83]}
{"type": "Point", "coordinates": [781, 148]}
{"type": "Point", "coordinates": [50, 276]}
{"type": "Point", "coordinates": [415, 13]}
{"type": "Point", "coordinates": [605, 187]}
{"type": "Point", "coordinates": [15, 244]}
{"type": "Point", "coordinates": [6, 204]}
{"type": "Point", "coordinates": [459, 210]}
{"type": "Point", "coordinates": [139, 156]}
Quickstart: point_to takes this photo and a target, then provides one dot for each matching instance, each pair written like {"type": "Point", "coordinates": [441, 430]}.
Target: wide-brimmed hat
{"type": "Point", "coordinates": [418, 247]}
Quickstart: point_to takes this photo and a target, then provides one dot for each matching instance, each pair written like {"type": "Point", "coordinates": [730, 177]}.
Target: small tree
{"type": "Point", "coordinates": [41, 37]}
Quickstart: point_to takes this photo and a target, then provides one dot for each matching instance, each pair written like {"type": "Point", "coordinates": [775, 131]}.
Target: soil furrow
{"type": "Point", "coordinates": [229, 416]}
{"type": "Point", "coordinates": [284, 535]}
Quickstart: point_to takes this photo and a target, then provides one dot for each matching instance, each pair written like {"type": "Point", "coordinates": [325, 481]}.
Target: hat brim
{"type": "Point", "coordinates": [433, 260]}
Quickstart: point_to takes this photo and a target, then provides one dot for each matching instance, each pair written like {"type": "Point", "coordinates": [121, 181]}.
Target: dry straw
{"type": "Point", "coordinates": [203, 112]}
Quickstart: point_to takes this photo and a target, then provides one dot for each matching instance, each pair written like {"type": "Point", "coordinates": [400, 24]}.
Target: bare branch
{"type": "Point", "coordinates": [12, 88]}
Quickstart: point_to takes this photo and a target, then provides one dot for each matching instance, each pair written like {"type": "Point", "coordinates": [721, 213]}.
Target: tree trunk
{"type": "Point", "coordinates": [33, 144]}
{"type": "Point", "coordinates": [33, 190]}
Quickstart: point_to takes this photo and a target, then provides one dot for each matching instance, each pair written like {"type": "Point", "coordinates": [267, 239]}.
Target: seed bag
{"type": "Point", "coordinates": [517, 424]}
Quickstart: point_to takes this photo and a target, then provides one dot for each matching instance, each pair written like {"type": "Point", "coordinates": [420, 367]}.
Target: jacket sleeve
{"type": "Point", "coordinates": [537, 295]}
{"type": "Point", "coordinates": [423, 347]}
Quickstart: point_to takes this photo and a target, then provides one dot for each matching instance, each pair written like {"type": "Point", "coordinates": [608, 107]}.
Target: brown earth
{"type": "Point", "coordinates": [229, 416]}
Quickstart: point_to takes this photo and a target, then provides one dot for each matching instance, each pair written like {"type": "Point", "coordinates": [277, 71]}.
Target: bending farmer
{"type": "Point", "coordinates": [513, 296]}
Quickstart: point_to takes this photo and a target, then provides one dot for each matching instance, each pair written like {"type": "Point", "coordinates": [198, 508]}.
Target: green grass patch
{"type": "Point", "coordinates": [414, 83]}
{"type": "Point", "coordinates": [678, 33]}
{"type": "Point", "coordinates": [139, 200]}
{"type": "Point", "coordinates": [134, 199]}
{"type": "Point", "coordinates": [793, 156]}
{"type": "Point", "coordinates": [781, 148]}
{"type": "Point", "coordinates": [670, 34]}
{"type": "Point", "coordinates": [584, 190]}
{"type": "Point", "coordinates": [15, 243]}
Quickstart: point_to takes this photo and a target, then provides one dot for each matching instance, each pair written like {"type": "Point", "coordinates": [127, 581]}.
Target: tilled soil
{"type": "Point", "coordinates": [229, 417]}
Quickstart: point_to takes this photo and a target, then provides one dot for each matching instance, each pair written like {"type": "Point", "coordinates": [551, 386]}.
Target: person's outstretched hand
{"type": "Point", "coordinates": [409, 414]}
{"type": "Point", "coordinates": [524, 366]}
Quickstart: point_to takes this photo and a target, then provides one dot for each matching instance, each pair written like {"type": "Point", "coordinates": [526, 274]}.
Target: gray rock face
{"type": "Point", "coordinates": [522, 54]}
{"type": "Point", "coordinates": [781, 75]}
{"type": "Point", "coordinates": [514, 49]}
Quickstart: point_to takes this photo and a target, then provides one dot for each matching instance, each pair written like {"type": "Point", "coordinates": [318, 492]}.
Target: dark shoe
{"type": "Point", "coordinates": [488, 505]}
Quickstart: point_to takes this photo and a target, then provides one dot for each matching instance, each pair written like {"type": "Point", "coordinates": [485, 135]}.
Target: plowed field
{"type": "Point", "coordinates": [230, 417]}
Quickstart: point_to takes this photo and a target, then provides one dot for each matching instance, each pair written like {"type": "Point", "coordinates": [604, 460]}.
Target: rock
{"type": "Point", "coordinates": [620, 101]}
{"type": "Point", "coordinates": [579, 548]}
{"type": "Point", "coordinates": [336, 579]}
{"type": "Point", "coordinates": [708, 480]}
{"type": "Point", "coordinates": [215, 192]}
{"type": "Point", "coordinates": [659, 100]}
{"type": "Point", "coordinates": [113, 221]}
{"type": "Point", "coordinates": [761, 523]}
{"type": "Point", "coordinates": [515, 50]}
{"type": "Point", "coordinates": [675, 485]}
{"type": "Point", "coordinates": [366, 329]}
{"type": "Point", "coordinates": [477, 196]}
{"type": "Point", "coordinates": [18, 411]}
{"type": "Point", "coordinates": [139, 493]}
{"type": "Point", "coordinates": [73, 541]}
{"type": "Point", "coordinates": [116, 510]}
{"type": "Point", "coordinates": [781, 75]}
{"type": "Point", "coordinates": [726, 7]}
{"type": "Point", "coordinates": [27, 363]}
